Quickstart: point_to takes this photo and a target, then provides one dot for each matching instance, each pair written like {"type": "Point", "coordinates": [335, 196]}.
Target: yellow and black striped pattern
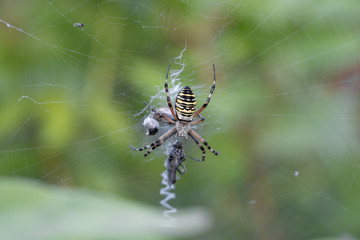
{"type": "Point", "coordinates": [185, 104]}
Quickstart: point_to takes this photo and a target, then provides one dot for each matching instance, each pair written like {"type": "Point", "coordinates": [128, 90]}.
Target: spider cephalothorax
{"type": "Point", "coordinates": [182, 118]}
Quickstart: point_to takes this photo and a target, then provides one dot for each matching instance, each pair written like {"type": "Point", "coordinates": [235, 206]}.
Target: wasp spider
{"type": "Point", "coordinates": [182, 118]}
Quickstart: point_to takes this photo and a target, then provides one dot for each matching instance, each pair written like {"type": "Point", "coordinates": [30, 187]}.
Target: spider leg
{"type": "Point", "coordinates": [156, 143]}
{"type": "Point", "coordinates": [209, 97]}
{"type": "Point", "coordinates": [183, 169]}
{"type": "Point", "coordinates": [199, 145]}
{"type": "Point", "coordinates": [197, 121]}
{"type": "Point", "coordinates": [192, 132]}
{"type": "Point", "coordinates": [197, 160]}
{"type": "Point", "coordinates": [167, 95]}
{"type": "Point", "coordinates": [161, 115]}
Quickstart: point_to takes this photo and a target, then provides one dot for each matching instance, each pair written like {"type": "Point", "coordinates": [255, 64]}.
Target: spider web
{"type": "Point", "coordinates": [284, 116]}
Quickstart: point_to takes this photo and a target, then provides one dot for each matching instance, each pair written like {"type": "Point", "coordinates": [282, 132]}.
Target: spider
{"type": "Point", "coordinates": [182, 118]}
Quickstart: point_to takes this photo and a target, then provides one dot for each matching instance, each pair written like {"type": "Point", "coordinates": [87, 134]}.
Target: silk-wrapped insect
{"type": "Point", "coordinates": [152, 122]}
{"type": "Point", "coordinates": [79, 25]}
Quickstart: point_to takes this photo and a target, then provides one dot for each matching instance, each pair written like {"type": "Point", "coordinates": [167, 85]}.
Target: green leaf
{"type": "Point", "coordinates": [33, 210]}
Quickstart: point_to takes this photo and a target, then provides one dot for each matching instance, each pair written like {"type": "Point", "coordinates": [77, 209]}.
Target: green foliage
{"type": "Point", "coordinates": [284, 116]}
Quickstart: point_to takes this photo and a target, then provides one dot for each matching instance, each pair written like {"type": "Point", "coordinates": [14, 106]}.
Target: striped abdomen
{"type": "Point", "coordinates": [185, 104]}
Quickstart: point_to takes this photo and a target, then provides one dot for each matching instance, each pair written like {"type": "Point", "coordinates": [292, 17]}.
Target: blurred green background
{"type": "Point", "coordinates": [284, 116]}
